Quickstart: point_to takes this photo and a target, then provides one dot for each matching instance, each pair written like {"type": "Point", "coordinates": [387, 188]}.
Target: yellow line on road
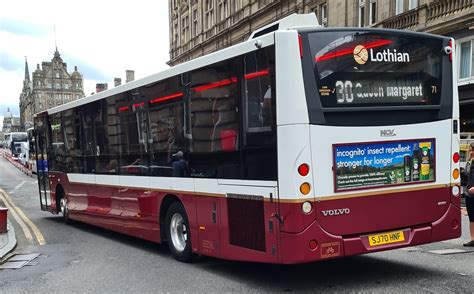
{"type": "Point", "coordinates": [21, 219]}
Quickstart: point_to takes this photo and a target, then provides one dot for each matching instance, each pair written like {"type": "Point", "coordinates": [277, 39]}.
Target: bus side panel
{"type": "Point", "coordinates": [294, 149]}
{"type": "Point", "coordinates": [249, 230]}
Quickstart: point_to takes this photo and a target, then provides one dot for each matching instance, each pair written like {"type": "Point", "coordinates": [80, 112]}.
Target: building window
{"type": "Point", "coordinates": [373, 12]}
{"type": "Point", "coordinates": [57, 75]}
{"type": "Point", "coordinates": [222, 10]}
{"type": "Point", "coordinates": [209, 14]}
{"type": "Point", "coordinates": [399, 6]}
{"type": "Point", "coordinates": [66, 86]}
{"type": "Point", "coordinates": [58, 86]}
{"type": "Point", "coordinates": [412, 4]}
{"type": "Point", "coordinates": [237, 5]}
{"type": "Point", "coordinates": [323, 8]}
{"type": "Point", "coordinates": [466, 60]}
{"type": "Point", "coordinates": [361, 13]}
{"type": "Point", "coordinates": [175, 35]}
{"type": "Point", "coordinates": [185, 28]}
{"type": "Point", "coordinates": [195, 22]}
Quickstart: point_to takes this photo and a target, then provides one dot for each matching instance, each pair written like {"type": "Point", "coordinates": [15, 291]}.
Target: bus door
{"type": "Point", "coordinates": [42, 146]}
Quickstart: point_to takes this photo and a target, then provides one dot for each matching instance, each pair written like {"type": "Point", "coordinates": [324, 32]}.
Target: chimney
{"type": "Point", "coordinates": [130, 76]}
{"type": "Point", "coordinates": [117, 82]}
{"type": "Point", "coordinates": [100, 87]}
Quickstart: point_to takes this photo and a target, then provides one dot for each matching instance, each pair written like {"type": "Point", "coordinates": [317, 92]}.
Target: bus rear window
{"type": "Point", "coordinates": [355, 69]}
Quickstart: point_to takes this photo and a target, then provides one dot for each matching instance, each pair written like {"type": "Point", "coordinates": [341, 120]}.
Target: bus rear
{"type": "Point", "coordinates": [381, 156]}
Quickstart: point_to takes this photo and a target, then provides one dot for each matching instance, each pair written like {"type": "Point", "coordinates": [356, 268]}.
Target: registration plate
{"type": "Point", "coordinates": [386, 238]}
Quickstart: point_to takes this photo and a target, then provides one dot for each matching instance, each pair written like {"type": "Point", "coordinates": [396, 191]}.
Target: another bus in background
{"type": "Point", "coordinates": [12, 143]}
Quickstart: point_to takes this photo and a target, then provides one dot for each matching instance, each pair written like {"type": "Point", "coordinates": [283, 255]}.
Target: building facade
{"type": "Point", "coordinates": [199, 27]}
{"type": "Point", "coordinates": [10, 123]}
{"type": "Point", "coordinates": [51, 85]}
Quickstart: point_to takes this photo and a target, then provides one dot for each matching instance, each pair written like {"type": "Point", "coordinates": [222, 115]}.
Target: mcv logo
{"type": "Point", "coordinates": [387, 133]}
{"type": "Point", "coordinates": [338, 211]}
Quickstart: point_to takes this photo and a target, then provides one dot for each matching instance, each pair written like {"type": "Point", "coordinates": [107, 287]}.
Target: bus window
{"type": "Point", "coordinates": [134, 139]}
{"type": "Point", "coordinates": [166, 121]}
{"type": "Point", "coordinates": [257, 92]}
{"type": "Point", "coordinates": [215, 121]}
{"type": "Point", "coordinates": [58, 158]}
{"type": "Point", "coordinates": [89, 149]}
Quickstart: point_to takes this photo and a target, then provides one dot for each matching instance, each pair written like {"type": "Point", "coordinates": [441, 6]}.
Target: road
{"type": "Point", "coordinates": [80, 258]}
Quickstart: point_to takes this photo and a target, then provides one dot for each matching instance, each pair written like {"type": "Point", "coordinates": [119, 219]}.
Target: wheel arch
{"type": "Point", "coordinates": [59, 193]}
{"type": "Point", "coordinates": [165, 204]}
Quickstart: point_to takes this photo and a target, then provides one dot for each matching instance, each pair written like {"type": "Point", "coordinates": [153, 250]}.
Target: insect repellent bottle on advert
{"type": "Point", "coordinates": [407, 168]}
{"type": "Point", "coordinates": [415, 163]}
{"type": "Point", "coordinates": [425, 161]}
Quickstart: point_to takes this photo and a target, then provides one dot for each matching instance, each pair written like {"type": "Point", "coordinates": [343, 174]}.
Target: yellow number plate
{"type": "Point", "coordinates": [386, 238]}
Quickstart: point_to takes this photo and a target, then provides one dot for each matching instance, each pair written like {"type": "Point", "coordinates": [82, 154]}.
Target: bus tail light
{"type": "Point", "coordinates": [300, 43]}
{"type": "Point", "coordinates": [455, 173]}
{"type": "Point", "coordinates": [303, 170]}
{"type": "Point", "coordinates": [455, 191]}
{"type": "Point", "coordinates": [456, 157]}
{"type": "Point", "coordinates": [451, 52]}
{"type": "Point", "coordinates": [305, 188]}
{"type": "Point", "coordinates": [313, 244]}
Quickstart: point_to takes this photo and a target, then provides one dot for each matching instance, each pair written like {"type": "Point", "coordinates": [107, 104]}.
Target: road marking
{"type": "Point", "coordinates": [23, 226]}
{"type": "Point", "coordinates": [21, 218]}
{"type": "Point", "coordinates": [16, 187]}
{"type": "Point", "coordinates": [19, 185]}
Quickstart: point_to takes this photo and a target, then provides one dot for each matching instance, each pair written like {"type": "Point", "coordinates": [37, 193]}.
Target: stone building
{"type": "Point", "coordinates": [198, 27]}
{"type": "Point", "coordinates": [51, 85]}
{"type": "Point", "coordinates": [10, 123]}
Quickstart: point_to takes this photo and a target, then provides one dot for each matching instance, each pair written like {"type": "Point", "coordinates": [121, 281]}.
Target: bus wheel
{"type": "Point", "coordinates": [64, 209]}
{"type": "Point", "coordinates": [178, 232]}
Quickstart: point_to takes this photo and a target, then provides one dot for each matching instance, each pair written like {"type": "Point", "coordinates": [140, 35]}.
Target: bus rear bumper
{"type": "Point", "coordinates": [297, 247]}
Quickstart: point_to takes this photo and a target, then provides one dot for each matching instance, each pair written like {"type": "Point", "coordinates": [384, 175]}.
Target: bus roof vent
{"type": "Point", "coordinates": [292, 21]}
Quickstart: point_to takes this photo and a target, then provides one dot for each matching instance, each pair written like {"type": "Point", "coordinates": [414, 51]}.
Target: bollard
{"type": "Point", "coordinates": [3, 219]}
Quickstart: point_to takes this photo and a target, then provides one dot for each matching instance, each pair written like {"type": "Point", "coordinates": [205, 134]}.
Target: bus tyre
{"type": "Point", "coordinates": [63, 205]}
{"type": "Point", "coordinates": [178, 232]}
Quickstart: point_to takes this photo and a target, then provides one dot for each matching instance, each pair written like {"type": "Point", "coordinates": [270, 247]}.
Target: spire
{"type": "Point", "coordinates": [27, 72]}
{"type": "Point", "coordinates": [56, 53]}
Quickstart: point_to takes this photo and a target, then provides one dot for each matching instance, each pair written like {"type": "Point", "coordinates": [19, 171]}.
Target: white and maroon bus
{"type": "Point", "coordinates": [301, 144]}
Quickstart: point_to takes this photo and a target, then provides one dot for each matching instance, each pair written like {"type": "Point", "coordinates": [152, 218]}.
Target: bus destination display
{"type": "Point", "coordinates": [369, 165]}
{"type": "Point", "coordinates": [378, 92]}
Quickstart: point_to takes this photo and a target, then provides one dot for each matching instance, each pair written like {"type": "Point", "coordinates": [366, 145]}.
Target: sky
{"type": "Point", "coordinates": [102, 38]}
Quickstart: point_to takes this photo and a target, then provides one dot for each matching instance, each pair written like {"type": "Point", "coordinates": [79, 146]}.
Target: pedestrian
{"type": "Point", "coordinates": [180, 165]}
{"type": "Point", "coordinates": [470, 194]}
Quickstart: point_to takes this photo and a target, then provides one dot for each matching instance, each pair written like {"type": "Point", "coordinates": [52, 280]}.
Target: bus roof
{"type": "Point", "coordinates": [229, 52]}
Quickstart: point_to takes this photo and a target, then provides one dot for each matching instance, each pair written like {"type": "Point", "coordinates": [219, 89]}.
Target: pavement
{"type": "Point", "coordinates": [7, 242]}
